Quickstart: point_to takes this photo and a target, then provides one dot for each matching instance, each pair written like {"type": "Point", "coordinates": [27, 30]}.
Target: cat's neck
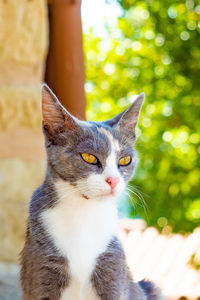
{"type": "Point", "coordinates": [80, 227]}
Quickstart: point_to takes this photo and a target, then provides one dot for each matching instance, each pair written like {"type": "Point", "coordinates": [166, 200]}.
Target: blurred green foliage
{"type": "Point", "coordinates": [156, 49]}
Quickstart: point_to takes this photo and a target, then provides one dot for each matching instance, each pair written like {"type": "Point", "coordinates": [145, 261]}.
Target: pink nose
{"type": "Point", "coordinates": [112, 181]}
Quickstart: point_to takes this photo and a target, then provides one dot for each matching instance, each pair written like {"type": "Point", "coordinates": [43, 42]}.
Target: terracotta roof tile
{"type": "Point", "coordinates": [163, 259]}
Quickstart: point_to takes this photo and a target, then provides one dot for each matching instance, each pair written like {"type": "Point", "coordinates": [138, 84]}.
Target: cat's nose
{"type": "Point", "coordinates": [112, 181]}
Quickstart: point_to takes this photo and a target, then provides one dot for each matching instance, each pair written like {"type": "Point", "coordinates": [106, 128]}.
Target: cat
{"type": "Point", "coordinates": [72, 250]}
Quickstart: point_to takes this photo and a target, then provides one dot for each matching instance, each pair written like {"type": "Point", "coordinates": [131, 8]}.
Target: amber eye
{"type": "Point", "coordinates": [124, 161]}
{"type": "Point", "coordinates": [89, 158]}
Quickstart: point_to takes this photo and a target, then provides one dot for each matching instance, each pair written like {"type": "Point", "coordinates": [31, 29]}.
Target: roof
{"type": "Point", "coordinates": [164, 259]}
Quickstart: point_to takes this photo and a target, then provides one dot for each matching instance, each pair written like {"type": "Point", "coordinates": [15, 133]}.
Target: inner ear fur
{"type": "Point", "coordinates": [127, 120]}
{"type": "Point", "coordinates": [54, 116]}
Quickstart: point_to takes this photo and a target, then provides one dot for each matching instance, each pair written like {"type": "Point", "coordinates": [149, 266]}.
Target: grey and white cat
{"type": "Point", "coordinates": [72, 250]}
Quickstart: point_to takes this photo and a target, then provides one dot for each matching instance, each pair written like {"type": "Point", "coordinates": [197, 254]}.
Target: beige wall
{"type": "Point", "coordinates": [23, 41]}
{"type": "Point", "coordinates": [23, 48]}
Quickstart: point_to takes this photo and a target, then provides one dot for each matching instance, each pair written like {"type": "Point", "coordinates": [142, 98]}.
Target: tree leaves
{"type": "Point", "coordinates": [155, 49]}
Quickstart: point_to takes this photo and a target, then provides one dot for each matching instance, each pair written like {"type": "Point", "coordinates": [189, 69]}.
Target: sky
{"type": "Point", "coordinates": [97, 13]}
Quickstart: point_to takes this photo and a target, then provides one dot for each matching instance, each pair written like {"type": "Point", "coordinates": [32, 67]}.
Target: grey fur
{"type": "Point", "coordinates": [112, 280]}
{"type": "Point", "coordinates": [45, 273]}
{"type": "Point", "coordinates": [111, 277]}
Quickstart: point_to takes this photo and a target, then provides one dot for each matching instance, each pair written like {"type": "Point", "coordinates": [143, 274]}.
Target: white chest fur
{"type": "Point", "coordinates": [81, 230]}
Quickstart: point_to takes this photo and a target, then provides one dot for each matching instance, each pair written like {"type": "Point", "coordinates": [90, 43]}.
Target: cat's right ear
{"type": "Point", "coordinates": [54, 116]}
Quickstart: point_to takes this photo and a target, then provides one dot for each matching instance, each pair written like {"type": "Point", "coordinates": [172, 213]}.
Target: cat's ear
{"type": "Point", "coordinates": [54, 116]}
{"type": "Point", "coordinates": [127, 120]}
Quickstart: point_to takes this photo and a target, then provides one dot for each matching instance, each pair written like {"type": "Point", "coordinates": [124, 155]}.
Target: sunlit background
{"type": "Point", "coordinates": [151, 46]}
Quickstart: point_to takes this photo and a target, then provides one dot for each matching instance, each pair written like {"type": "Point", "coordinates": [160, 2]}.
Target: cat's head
{"type": "Point", "coordinates": [96, 158]}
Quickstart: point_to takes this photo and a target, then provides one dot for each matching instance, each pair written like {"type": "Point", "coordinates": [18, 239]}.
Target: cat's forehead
{"type": "Point", "coordinates": [104, 139]}
{"type": "Point", "coordinates": [114, 142]}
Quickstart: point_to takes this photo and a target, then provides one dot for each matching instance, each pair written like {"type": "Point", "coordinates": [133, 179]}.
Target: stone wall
{"type": "Point", "coordinates": [23, 48]}
{"type": "Point", "coordinates": [23, 41]}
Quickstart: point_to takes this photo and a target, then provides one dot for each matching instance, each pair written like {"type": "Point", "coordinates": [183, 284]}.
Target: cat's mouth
{"type": "Point", "coordinates": [107, 194]}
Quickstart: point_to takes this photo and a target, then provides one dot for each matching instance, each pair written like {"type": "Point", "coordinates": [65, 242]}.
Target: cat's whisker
{"type": "Point", "coordinates": [138, 196]}
{"type": "Point", "coordinates": [142, 202]}
{"type": "Point", "coordinates": [138, 193]}
{"type": "Point", "coordinates": [130, 199]}
{"type": "Point", "coordinates": [138, 190]}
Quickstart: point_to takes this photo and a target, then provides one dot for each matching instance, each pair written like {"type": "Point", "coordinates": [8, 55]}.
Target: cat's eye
{"type": "Point", "coordinates": [124, 161]}
{"type": "Point", "coordinates": [89, 158]}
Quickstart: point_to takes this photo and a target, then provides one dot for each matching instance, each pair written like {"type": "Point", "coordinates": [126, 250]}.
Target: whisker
{"type": "Point", "coordinates": [130, 199]}
{"type": "Point", "coordinates": [140, 197]}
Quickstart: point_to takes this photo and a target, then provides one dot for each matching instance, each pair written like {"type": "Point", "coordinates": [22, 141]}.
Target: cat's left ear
{"type": "Point", "coordinates": [127, 120]}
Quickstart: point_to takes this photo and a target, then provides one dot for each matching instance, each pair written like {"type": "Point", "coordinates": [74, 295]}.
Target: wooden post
{"type": "Point", "coordinates": [65, 62]}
